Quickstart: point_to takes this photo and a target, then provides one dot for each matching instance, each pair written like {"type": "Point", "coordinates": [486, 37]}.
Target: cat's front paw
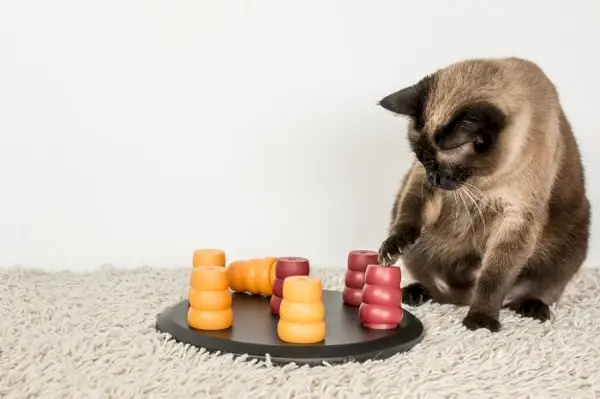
{"type": "Point", "coordinates": [398, 243]}
{"type": "Point", "coordinates": [415, 294]}
{"type": "Point", "coordinates": [476, 320]}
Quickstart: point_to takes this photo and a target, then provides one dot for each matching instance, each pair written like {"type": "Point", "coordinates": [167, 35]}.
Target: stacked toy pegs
{"type": "Point", "coordinates": [302, 312]}
{"type": "Point", "coordinates": [354, 280]}
{"type": "Point", "coordinates": [209, 299]}
{"type": "Point", "coordinates": [381, 306]}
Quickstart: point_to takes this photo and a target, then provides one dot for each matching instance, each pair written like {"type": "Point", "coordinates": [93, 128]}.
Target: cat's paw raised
{"type": "Point", "coordinates": [402, 238]}
{"type": "Point", "coordinates": [476, 320]}
{"type": "Point", "coordinates": [415, 294]}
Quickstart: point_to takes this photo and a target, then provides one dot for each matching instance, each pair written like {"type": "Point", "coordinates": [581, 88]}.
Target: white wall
{"type": "Point", "coordinates": [133, 132]}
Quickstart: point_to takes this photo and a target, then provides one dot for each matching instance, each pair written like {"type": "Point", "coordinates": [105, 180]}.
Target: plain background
{"type": "Point", "coordinates": [133, 132]}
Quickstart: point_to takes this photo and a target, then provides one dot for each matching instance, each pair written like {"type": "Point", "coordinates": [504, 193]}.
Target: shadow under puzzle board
{"type": "Point", "coordinates": [254, 333]}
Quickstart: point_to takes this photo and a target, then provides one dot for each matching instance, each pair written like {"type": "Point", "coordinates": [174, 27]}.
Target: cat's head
{"type": "Point", "coordinates": [458, 117]}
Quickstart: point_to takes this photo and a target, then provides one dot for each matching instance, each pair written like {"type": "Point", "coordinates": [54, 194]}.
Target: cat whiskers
{"type": "Point", "coordinates": [470, 196]}
{"type": "Point", "coordinates": [455, 207]}
{"type": "Point", "coordinates": [481, 197]}
{"type": "Point", "coordinates": [459, 192]}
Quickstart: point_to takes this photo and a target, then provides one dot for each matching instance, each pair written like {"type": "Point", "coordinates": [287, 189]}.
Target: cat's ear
{"type": "Point", "coordinates": [403, 102]}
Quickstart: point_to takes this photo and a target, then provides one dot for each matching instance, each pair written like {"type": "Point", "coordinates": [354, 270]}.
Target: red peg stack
{"type": "Point", "coordinates": [381, 307]}
{"type": "Point", "coordinates": [286, 267]}
{"type": "Point", "coordinates": [355, 275]}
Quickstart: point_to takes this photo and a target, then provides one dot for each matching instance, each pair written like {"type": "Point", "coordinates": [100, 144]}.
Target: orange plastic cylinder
{"type": "Point", "coordinates": [210, 319]}
{"type": "Point", "coordinates": [208, 257]}
{"type": "Point", "coordinates": [234, 275]}
{"type": "Point", "coordinates": [302, 289]}
{"type": "Point", "coordinates": [249, 278]}
{"type": "Point", "coordinates": [301, 333]}
{"type": "Point", "coordinates": [252, 276]}
{"type": "Point", "coordinates": [262, 281]}
{"type": "Point", "coordinates": [209, 300]}
{"type": "Point", "coordinates": [272, 275]}
{"type": "Point", "coordinates": [302, 312]}
{"type": "Point", "coordinates": [209, 278]}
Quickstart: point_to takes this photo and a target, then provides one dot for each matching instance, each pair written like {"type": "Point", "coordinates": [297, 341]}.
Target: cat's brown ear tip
{"type": "Point", "coordinates": [387, 103]}
{"type": "Point", "coordinates": [401, 102]}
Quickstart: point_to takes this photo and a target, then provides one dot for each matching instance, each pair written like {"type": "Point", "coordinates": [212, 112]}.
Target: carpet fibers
{"type": "Point", "coordinates": [91, 335]}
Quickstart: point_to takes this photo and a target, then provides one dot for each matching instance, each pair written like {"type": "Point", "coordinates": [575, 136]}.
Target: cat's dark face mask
{"type": "Point", "coordinates": [456, 150]}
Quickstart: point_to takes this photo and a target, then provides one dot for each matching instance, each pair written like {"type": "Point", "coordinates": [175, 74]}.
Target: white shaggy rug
{"type": "Point", "coordinates": [92, 335]}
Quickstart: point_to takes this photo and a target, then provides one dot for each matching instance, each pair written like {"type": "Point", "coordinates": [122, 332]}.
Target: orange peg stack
{"type": "Point", "coordinates": [254, 276]}
{"type": "Point", "coordinates": [302, 312]}
{"type": "Point", "coordinates": [210, 299]}
{"type": "Point", "coordinates": [208, 257]}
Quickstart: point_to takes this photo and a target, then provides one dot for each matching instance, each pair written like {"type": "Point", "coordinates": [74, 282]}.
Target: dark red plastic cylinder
{"type": "Point", "coordinates": [380, 317]}
{"type": "Point", "coordinates": [382, 295]}
{"type": "Point", "coordinates": [291, 266]}
{"type": "Point", "coordinates": [383, 275]}
{"type": "Point", "coordinates": [278, 287]}
{"type": "Point", "coordinates": [381, 306]}
{"type": "Point", "coordinates": [354, 279]}
{"type": "Point", "coordinates": [275, 303]}
{"type": "Point", "coordinates": [358, 260]}
{"type": "Point", "coordinates": [352, 296]}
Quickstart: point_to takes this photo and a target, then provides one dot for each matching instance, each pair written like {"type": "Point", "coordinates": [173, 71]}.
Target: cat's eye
{"type": "Point", "coordinates": [456, 138]}
{"type": "Point", "coordinates": [481, 143]}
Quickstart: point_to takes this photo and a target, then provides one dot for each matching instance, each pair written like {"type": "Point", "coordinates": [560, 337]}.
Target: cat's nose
{"type": "Point", "coordinates": [435, 178]}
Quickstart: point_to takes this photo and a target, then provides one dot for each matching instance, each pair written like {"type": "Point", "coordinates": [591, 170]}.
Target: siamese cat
{"type": "Point", "coordinates": [493, 212]}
